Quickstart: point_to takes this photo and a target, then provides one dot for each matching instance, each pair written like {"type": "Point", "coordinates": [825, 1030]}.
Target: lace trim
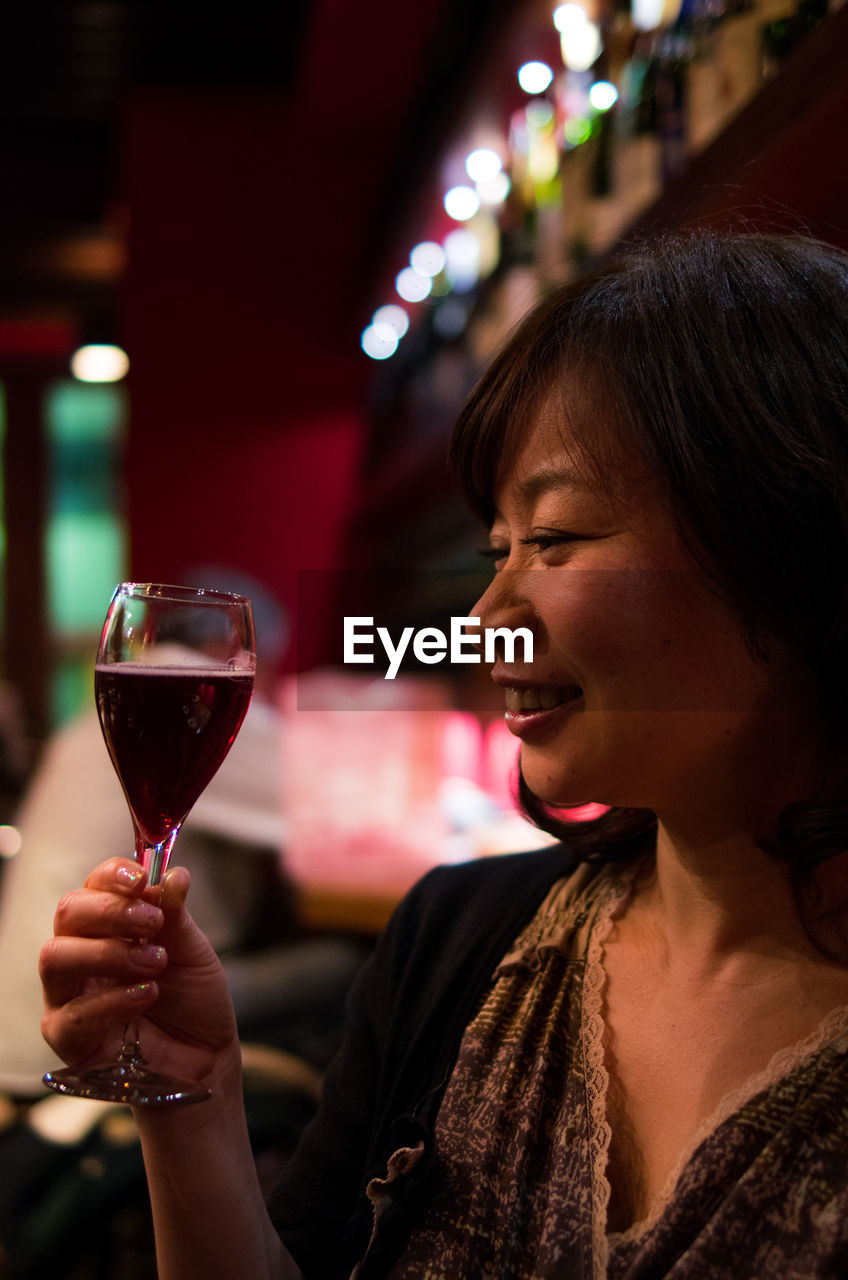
{"type": "Point", "coordinates": [379, 1191]}
{"type": "Point", "coordinates": [586, 900]}
{"type": "Point", "coordinates": [567, 907]}
{"type": "Point", "coordinates": [596, 1075]}
{"type": "Point", "coordinates": [592, 901]}
{"type": "Point", "coordinates": [830, 1029]}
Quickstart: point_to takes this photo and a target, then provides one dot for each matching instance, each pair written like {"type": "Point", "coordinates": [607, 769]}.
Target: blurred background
{"type": "Point", "coordinates": [306, 226]}
{"type": "Point", "coordinates": [229, 194]}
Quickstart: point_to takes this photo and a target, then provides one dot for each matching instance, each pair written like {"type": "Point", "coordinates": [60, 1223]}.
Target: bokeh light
{"type": "Point", "coordinates": [483, 165]}
{"type": "Point", "coordinates": [379, 341]}
{"type": "Point", "coordinates": [427, 258]}
{"type": "Point", "coordinates": [579, 38]}
{"type": "Point", "coordinates": [495, 191]}
{"type": "Point", "coordinates": [576, 130]}
{"type": "Point", "coordinates": [99, 362]}
{"type": "Point", "coordinates": [10, 841]}
{"type": "Point", "coordinates": [462, 259]}
{"type": "Point", "coordinates": [540, 116]}
{"type": "Point", "coordinates": [411, 285]}
{"type": "Point", "coordinates": [649, 14]}
{"type": "Point", "coordinates": [567, 16]}
{"type": "Point", "coordinates": [534, 77]}
{"type": "Point", "coordinates": [461, 203]}
{"type": "Point", "coordinates": [394, 316]}
{"type": "Point", "coordinates": [603, 95]}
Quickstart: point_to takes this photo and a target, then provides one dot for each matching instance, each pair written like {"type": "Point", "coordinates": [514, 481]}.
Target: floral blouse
{"type": "Point", "coordinates": [523, 1140]}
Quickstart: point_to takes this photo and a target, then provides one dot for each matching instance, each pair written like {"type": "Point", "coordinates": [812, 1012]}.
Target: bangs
{"type": "Point", "coordinates": [497, 414]}
{"type": "Point", "coordinates": [718, 363]}
{"type": "Point", "coordinates": [547, 362]}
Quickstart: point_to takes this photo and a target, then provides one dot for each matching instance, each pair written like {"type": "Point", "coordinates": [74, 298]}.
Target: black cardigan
{"type": "Point", "coordinates": [406, 1016]}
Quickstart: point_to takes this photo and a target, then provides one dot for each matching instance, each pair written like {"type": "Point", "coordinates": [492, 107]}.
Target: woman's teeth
{"type": "Point", "coordinates": [542, 699]}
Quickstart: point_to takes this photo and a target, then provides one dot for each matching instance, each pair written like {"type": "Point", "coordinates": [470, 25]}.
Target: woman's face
{"type": "Point", "coordinates": [643, 689]}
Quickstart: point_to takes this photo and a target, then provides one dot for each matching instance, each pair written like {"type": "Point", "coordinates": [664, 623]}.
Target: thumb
{"type": "Point", "coordinates": [183, 940]}
{"type": "Point", "coordinates": [174, 889]}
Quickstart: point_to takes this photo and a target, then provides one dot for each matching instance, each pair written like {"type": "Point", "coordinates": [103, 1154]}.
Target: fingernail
{"type": "Point", "coordinates": [147, 954]}
{"type": "Point", "coordinates": [140, 991]}
{"type": "Point", "coordinates": [129, 875]}
{"type": "Point", "coordinates": [144, 915]}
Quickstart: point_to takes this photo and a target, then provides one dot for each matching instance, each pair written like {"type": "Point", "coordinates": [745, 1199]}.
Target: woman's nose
{"type": "Point", "coordinates": [506, 602]}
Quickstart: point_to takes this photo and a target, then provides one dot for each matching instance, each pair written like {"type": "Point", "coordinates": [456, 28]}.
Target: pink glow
{"type": "Point", "coordinates": [462, 748]}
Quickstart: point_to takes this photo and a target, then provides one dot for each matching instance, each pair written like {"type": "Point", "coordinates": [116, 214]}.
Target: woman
{"type": "Point", "coordinates": [624, 1056]}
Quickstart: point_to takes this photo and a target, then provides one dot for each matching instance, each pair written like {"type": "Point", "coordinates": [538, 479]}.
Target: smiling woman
{"type": "Point", "coordinates": [625, 1056]}
{"type": "Point", "coordinates": [696, 385]}
{"type": "Point", "coordinates": [642, 677]}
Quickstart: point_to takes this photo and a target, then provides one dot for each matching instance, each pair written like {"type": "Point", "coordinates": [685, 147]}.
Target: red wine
{"type": "Point", "coordinates": [167, 730]}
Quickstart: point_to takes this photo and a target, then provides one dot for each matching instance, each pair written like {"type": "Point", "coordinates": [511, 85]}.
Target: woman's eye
{"type": "Point", "coordinates": [495, 554]}
{"type": "Point", "coordinates": [557, 542]}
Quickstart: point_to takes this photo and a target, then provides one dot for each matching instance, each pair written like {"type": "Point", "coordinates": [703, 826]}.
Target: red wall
{"type": "Point", "coordinates": [247, 385]}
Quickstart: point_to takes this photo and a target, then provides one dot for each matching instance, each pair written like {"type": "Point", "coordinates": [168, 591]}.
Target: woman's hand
{"type": "Point", "coordinates": [123, 950]}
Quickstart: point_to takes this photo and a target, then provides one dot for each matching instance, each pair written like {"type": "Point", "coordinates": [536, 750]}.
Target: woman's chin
{"type": "Point", "coordinates": [557, 791]}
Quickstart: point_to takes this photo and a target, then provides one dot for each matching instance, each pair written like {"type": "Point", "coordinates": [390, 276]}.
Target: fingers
{"type": "Point", "coordinates": [111, 933]}
{"type": "Point", "coordinates": [104, 935]}
{"type": "Point", "coordinates": [120, 946]}
{"type": "Point", "coordinates": [69, 966]}
{"type": "Point", "coordinates": [92, 984]}
{"type": "Point", "coordinates": [79, 1030]}
{"type": "Point", "coordinates": [128, 878]}
{"type": "Point", "coordinates": [119, 875]}
{"type": "Point", "coordinates": [117, 900]}
{"type": "Point", "coordinates": [124, 875]}
{"type": "Point", "coordinates": [90, 913]}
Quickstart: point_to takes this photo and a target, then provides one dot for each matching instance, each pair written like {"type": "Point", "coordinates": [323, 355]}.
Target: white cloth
{"type": "Point", "coordinates": [74, 815]}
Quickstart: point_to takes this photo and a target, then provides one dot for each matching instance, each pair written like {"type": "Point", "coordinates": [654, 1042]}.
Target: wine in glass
{"type": "Point", "coordinates": [172, 683]}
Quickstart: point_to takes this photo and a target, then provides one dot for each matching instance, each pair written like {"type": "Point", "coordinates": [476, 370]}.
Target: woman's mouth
{"type": "Point", "coordinates": [529, 699]}
{"type": "Point", "coordinates": [535, 710]}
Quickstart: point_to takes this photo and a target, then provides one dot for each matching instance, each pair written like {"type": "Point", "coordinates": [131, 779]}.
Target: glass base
{"type": "Point", "coordinates": [129, 1080]}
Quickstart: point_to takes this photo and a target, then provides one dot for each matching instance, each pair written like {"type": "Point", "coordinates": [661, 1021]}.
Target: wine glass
{"type": "Point", "coordinates": [172, 683]}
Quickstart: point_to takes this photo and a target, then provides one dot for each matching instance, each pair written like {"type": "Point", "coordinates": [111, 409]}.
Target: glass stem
{"type": "Point", "coordinates": [130, 1051]}
{"type": "Point", "coordinates": [154, 858]}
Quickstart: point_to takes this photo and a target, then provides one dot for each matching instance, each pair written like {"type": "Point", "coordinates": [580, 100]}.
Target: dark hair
{"type": "Point", "coordinates": [723, 360]}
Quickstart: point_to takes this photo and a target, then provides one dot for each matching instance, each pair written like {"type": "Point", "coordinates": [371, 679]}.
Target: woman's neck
{"type": "Point", "coordinates": [723, 906]}
{"type": "Point", "coordinates": [715, 892]}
